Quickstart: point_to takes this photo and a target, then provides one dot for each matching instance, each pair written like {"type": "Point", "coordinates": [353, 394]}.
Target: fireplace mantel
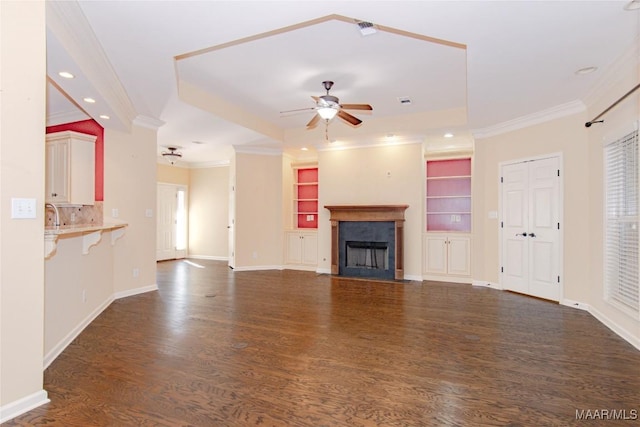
{"type": "Point", "coordinates": [393, 213]}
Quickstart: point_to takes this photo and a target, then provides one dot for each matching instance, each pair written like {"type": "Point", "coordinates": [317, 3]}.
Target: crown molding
{"type": "Point", "coordinates": [627, 63]}
{"type": "Point", "coordinates": [568, 109]}
{"type": "Point", "coordinates": [258, 150]}
{"type": "Point", "coordinates": [148, 122]}
{"type": "Point", "coordinates": [408, 141]}
{"type": "Point", "coordinates": [72, 29]}
{"type": "Point", "coordinates": [66, 117]}
{"type": "Point", "coordinates": [208, 165]}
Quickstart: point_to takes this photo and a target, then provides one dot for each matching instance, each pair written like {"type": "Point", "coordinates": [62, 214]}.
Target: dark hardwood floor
{"type": "Point", "coordinates": [214, 347]}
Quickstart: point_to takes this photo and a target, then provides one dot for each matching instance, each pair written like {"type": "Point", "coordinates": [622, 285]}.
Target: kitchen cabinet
{"type": "Point", "coordinates": [70, 168]}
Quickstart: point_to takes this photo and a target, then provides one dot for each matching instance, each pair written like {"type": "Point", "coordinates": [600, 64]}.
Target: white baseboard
{"type": "Point", "coordinates": [623, 333]}
{"type": "Point", "coordinates": [20, 406]}
{"type": "Point", "coordinates": [73, 334]}
{"type": "Point", "coordinates": [413, 277]}
{"type": "Point", "coordinates": [449, 279]}
{"type": "Point", "coordinates": [575, 304]}
{"type": "Point", "coordinates": [323, 270]}
{"type": "Point", "coordinates": [209, 257]}
{"type": "Point", "coordinates": [258, 268]}
{"type": "Point", "coordinates": [486, 284]}
{"type": "Point", "coordinates": [136, 291]}
{"type": "Point", "coordinates": [299, 267]}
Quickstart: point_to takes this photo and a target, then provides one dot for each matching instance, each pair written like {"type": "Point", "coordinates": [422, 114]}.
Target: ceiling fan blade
{"type": "Point", "coordinates": [356, 106]}
{"type": "Point", "coordinates": [297, 110]}
{"type": "Point", "coordinates": [313, 122]}
{"type": "Point", "coordinates": [349, 118]}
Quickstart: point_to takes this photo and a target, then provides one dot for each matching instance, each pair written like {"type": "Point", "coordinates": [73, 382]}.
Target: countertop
{"type": "Point", "coordinates": [80, 229]}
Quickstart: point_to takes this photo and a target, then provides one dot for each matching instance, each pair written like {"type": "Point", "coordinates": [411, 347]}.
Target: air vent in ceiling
{"type": "Point", "coordinates": [366, 28]}
{"type": "Point", "coordinates": [404, 100]}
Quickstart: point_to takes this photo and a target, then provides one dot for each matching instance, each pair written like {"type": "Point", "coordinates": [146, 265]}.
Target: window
{"type": "Point", "coordinates": [621, 224]}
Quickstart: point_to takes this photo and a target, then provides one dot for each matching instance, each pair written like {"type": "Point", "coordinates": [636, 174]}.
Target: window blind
{"type": "Point", "coordinates": [622, 263]}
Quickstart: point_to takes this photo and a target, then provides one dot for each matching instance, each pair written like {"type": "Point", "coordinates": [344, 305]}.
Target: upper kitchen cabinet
{"type": "Point", "coordinates": [70, 168]}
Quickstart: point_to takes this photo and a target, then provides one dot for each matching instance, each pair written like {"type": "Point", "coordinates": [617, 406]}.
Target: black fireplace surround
{"type": "Point", "coordinates": [367, 249]}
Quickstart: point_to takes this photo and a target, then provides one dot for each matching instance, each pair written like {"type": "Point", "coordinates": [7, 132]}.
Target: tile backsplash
{"type": "Point", "coordinates": [75, 215]}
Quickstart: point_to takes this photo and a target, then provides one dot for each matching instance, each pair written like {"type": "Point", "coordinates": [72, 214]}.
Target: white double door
{"type": "Point", "coordinates": [530, 225]}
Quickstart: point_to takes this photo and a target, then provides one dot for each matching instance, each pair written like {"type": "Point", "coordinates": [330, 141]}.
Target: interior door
{"type": "Point", "coordinates": [166, 219]}
{"type": "Point", "coordinates": [232, 218]}
{"type": "Point", "coordinates": [531, 228]}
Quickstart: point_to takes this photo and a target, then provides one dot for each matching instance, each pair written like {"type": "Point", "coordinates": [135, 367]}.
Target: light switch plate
{"type": "Point", "coordinates": [23, 208]}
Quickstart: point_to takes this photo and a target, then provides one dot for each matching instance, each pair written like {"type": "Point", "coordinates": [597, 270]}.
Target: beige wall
{"type": "Point", "coordinates": [91, 277]}
{"type": "Point", "coordinates": [258, 212]}
{"type": "Point", "coordinates": [618, 121]}
{"type": "Point", "coordinates": [22, 124]}
{"type": "Point", "coordinates": [209, 213]}
{"type": "Point", "coordinates": [566, 136]}
{"type": "Point", "coordinates": [171, 174]}
{"type": "Point", "coordinates": [359, 176]}
{"type": "Point", "coordinates": [130, 187]}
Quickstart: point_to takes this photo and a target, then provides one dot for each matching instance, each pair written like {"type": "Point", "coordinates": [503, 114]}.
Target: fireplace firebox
{"type": "Point", "coordinates": [367, 241]}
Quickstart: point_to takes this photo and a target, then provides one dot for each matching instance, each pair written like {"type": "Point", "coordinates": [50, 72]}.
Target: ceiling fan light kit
{"type": "Point", "coordinates": [328, 106]}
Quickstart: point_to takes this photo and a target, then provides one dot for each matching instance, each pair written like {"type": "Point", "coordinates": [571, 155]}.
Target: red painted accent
{"type": "Point", "coordinates": [90, 127]}
{"type": "Point", "coordinates": [454, 167]}
{"type": "Point", "coordinates": [310, 193]}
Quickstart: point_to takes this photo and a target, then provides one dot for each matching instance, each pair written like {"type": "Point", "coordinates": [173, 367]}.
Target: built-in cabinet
{"type": "Point", "coordinates": [447, 242]}
{"type": "Point", "coordinates": [70, 168]}
{"type": "Point", "coordinates": [302, 248]}
{"type": "Point", "coordinates": [447, 255]}
{"type": "Point", "coordinates": [305, 203]}
{"type": "Point", "coordinates": [301, 242]}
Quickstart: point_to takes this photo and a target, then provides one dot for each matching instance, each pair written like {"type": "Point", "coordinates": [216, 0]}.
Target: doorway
{"type": "Point", "coordinates": [530, 227]}
{"type": "Point", "coordinates": [171, 229]}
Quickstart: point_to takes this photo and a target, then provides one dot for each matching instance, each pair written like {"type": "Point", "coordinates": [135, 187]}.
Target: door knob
{"type": "Point", "coordinates": [532, 234]}
{"type": "Point", "coordinates": [523, 234]}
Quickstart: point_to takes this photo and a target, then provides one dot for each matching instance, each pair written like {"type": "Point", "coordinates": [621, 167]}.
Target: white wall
{"type": "Point", "coordinates": [22, 124]}
{"type": "Point", "coordinates": [209, 213]}
{"type": "Point", "coordinates": [359, 177]}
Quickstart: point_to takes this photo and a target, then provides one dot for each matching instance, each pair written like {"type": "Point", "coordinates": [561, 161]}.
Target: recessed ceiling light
{"type": "Point", "coordinates": [89, 100]}
{"type": "Point", "coordinates": [66, 74]}
{"type": "Point", "coordinates": [104, 116]}
{"type": "Point", "coordinates": [448, 135]}
{"type": "Point", "coordinates": [304, 149]}
{"type": "Point", "coordinates": [586, 70]}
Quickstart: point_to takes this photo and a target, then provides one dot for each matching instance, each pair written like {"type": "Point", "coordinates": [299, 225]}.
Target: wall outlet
{"type": "Point", "coordinates": [73, 217]}
{"type": "Point", "coordinates": [255, 255]}
{"type": "Point", "coordinates": [114, 213]}
{"type": "Point", "coordinates": [84, 295]}
{"type": "Point", "coordinates": [309, 217]}
{"type": "Point", "coordinates": [148, 213]}
{"type": "Point", "coordinates": [136, 272]}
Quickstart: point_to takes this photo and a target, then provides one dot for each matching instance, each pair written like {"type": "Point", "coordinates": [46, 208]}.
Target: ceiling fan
{"type": "Point", "coordinates": [328, 106]}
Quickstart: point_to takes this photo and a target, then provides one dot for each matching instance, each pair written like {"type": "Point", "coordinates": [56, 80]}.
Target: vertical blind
{"type": "Point", "coordinates": [622, 262]}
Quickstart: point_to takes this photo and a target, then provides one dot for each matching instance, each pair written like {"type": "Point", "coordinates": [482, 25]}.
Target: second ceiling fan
{"type": "Point", "coordinates": [328, 106]}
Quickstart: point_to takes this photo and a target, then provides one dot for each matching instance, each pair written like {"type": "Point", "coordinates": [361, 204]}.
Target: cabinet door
{"type": "Point", "coordinates": [57, 185]}
{"type": "Point", "coordinates": [294, 248]}
{"type": "Point", "coordinates": [436, 253]}
{"type": "Point", "coordinates": [458, 255]}
{"type": "Point", "coordinates": [309, 248]}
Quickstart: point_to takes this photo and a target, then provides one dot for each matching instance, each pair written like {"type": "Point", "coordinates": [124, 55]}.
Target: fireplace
{"type": "Point", "coordinates": [367, 241]}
